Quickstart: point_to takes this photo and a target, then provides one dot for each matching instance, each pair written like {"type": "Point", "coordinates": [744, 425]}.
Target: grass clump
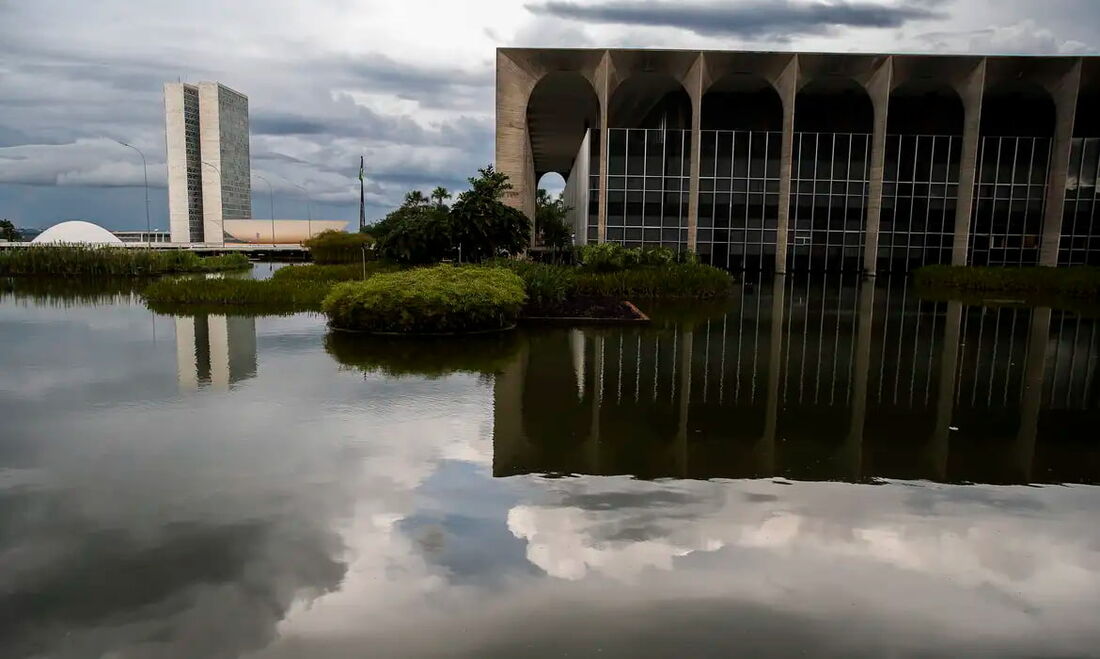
{"type": "Point", "coordinates": [423, 356]}
{"type": "Point", "coordinates": [1076, 282]}
{"type": "Point", "coordinates": [678, 280]}
{"type": "Point", "coordinates": [330, 273]}
{"type": "Point", "coordinates": [437, 300]}
{"type": "Point", "coordinates": [243, 295]}
{"type": "Point", "coordinates": [546, 285]}
{"type": "Point", "coordinates": [330, 247]}
{"type": "Point", "coordinates": [68, 260]}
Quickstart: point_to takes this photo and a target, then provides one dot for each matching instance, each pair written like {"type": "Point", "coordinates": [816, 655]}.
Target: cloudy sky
{"type": "Point", "coordinates": [407, 84]}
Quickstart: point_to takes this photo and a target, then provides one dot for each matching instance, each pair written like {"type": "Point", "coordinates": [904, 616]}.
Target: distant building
{"type": "Point", "coordinates": [208, 160]}
{"type": "Point", "coordinates": [143, 236]}
{"type": "Point", "coordinates": [74, 232]}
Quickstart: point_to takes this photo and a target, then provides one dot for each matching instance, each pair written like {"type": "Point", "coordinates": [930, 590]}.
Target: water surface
{"type": "Point", "coordinates": [819, 466]}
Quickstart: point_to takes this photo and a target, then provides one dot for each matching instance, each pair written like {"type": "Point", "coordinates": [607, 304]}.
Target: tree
{"type": "Point", "coordinates": [551, 220]}
{"type": "Point", "coordinates": [415, 198]}
{"type": "Point", "coordinates": [440, 195]}
{"type": "Point", "coordinates": [483, 226]}
{"type": "Point", "coordinates": [414, 233]}
{"type": "Point", "coordinates": [8, 231]}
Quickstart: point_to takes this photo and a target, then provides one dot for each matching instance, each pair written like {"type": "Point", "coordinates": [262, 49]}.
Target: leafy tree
{"type": "Point", "coordinates": [551, 220]}
{"type": "Point", "coordinates": [414, 233]}
{"type": "Point", "coordinates": [440, 196]}
{"type": "Point", "coordinates": [415, 198]}
{"type": "Point", "coordinates": [7, 231]}
{"type": "Point", "coordinates": [482, 225]}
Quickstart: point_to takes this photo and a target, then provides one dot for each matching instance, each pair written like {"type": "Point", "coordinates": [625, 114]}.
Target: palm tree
{"type": "Point", "coordinates": [415, 198]}
{"type": "Point", "coordinates": [440, 195]}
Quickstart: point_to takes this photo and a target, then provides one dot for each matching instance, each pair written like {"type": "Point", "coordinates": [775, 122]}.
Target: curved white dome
{"type": "Point", "coordinates": [77, 231]}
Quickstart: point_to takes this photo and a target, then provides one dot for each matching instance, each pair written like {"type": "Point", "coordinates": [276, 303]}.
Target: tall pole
{"type": "Point", "coordinates": [271, 198]}
{"type": "Point", "coordinates": [222, 232]}
{"type": "Point", "coordinates": [145, 171]}
{"type": "Point", "coordinates": [309, 210]}
{"type": "Point", "coordinates": [362, 199]}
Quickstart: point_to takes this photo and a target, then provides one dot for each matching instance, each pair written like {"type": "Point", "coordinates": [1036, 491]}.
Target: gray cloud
{"type": "Point", "coordinates": [750, 19]}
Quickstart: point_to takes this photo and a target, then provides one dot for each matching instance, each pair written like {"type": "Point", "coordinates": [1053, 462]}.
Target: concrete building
{"type": "Point", "coordinates": [209, 179]}
{"type": "Point", "coordinates": [811, 161]}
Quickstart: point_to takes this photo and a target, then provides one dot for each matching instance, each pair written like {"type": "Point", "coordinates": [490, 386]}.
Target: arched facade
{"type": "Point", "coordinates": [855, 145]}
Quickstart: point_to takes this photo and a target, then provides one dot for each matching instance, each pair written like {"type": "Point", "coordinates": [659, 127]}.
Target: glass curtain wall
{"type": "Point", "coordinates": [738, 198]}
{"type": "Point", "coordinates": [593, 185]}
{"type": "Point", "coordinates": [919, 197]}
{"type": "Point", "coordinates": [829, 183]}
{"type": "Point", "coordinates": [1009, 201]}
{"type": "Point", "coordinates": [1080, 243]}
{"type": "Point", "coordinates": [647, 187]}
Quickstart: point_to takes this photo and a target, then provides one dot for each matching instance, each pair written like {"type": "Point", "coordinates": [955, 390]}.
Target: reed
{"type": "Point", "coordinates": [251, 296]}
{"type": "Point", "coordinates": [71, 260]}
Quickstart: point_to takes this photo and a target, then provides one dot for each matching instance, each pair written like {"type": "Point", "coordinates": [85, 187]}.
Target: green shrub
{"type": "Point", "coordinates": [270, 296]}
{"type": "Point", "coordinates": [424, 356]}
{"type": "Point", "coordinates": [441, 299]}
{"type": "Point", "coordinates": [676, 280]}
{"type": "Point", "coordinates": [331, 246]}
{"type": "Point", "coordinates": [607, 257]}
{"type": "Point", "coordinates": [1082, 282]}
{"type": "Point", "coordinates": [416, 234]}
{"type": "Point", "coordinates": [330, 273]}
{"type": "Point", "coordinates": [68, 260]}
{"type": "Point", "coordinates": [546, 284]}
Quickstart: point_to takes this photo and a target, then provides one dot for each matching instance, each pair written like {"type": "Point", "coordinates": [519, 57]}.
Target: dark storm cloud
{"type": "Point", "coordinates": [752, 19]}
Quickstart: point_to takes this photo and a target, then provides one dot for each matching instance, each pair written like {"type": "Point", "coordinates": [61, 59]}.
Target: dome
{"type": "Point", "coordinates": [77, 231]}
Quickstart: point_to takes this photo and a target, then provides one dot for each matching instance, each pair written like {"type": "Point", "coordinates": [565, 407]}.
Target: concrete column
{"type": "Point", "coordinates": [603, 91]}
{"type": "Point", "coordinates": [971, 91]}
{"type": "Point", "coordinates": [787, 86]}
{"type": "Point", "coordinates": [1065, 101]}
{"type": "Point", "coordinates": [513, 144]}
{"type": "Point", "coordinates": [878, 87]}
{"type": "Point", "coordinates": [940, 448]}
{"type": "Point", "coordinates": [775, 353]}
{"type": "Point", "coordinates": [687, 341]}
{"type": "Point", "coordinates": [1031, 398]}
{"type": "Point", "coordinates": [861, 370]}
{"type": "Point", "coordinates": [695, 91]}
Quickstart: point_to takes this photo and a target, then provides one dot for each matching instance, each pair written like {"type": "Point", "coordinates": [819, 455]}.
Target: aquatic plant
{"type": "Point", "coordinates": [331, 246]}
{"type": "Point", "coordinates": [251, 296]}
{"type": "Point", "coordinates": [67, 260]}
{"type": "Point", "coordinates": [1080, 282]}
{"type": "Point", "coordinates": [331, 273]}
{"type": "Point", "coordinates": [685, 280]}
{"type": "Point", "coordinates": [440, 299]}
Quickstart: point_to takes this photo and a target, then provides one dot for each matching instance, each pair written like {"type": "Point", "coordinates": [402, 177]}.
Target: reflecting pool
{"type": "Point", "coordinates": [826, 467]}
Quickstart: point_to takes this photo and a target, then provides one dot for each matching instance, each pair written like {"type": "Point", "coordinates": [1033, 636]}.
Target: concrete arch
{"type": "Point", "coordinates": [556, 136]}
{"type": "Point", "coordinates": [650, 100]}
{"type": "Point", "coordinates": [834, 105]}
{"type": "Point", "coordinates": [1018, 108]}
{"type": "Point", "coordinates": [742, 101]}
{"type": "Point", "coordinates": [925, 107]}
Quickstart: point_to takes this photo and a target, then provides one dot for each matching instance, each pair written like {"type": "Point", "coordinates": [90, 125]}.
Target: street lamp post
{"type": "Point", "coordinates": [271, 198]}
{"type": "Point", "coordinates": [145, 171]}
{"type": "Point", "coordinates": [223, 211]}
{"type": "Point", "coordinates": [309, 210]}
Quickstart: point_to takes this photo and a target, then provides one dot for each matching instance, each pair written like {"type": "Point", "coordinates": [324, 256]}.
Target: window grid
{"type": "Point", "coordinates": [647, 187]}
{"type": "Point", "coordinates": [829, 185]}
{"type": "Point", "coordinates": [738, 198]}
{"type": "Point", "coordinates": [919, 195]}
{"type": "Point", "coordinates": [1080, 244]}
{"type": "Point", "coordinates": [1008, 202]}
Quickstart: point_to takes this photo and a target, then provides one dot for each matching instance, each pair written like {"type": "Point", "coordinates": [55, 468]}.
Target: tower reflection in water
{"type": "Point", "coordinates": [214, 351]}
{"type": "Point", "coordinates": [827, 379]}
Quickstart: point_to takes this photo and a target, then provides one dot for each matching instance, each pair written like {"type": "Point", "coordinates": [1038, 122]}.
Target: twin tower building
{"type": "Point", "coordinates": [208, 160]}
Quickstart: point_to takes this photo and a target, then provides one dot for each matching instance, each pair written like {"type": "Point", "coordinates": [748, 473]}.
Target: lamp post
{"type": "Point", "coordinates": [309, 210]}
{"type": "Point", "coordinates": [223, 211]}
{"type": "Point", "coordinates": [145, 171]}
{"type": "Point", "coordinates": [271, 198]}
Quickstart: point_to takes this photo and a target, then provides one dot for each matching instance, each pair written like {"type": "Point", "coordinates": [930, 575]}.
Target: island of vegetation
{"type": "Point", "coordinates": [107, 261]}
{"type": "Point", "coordinates": [430, 267]}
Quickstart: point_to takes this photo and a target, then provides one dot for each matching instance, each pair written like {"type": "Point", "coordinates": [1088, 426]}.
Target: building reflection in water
{"type": "Point", "coordinates": [215, 351]}
{"type": "Point", "coordinates": [826, 379]}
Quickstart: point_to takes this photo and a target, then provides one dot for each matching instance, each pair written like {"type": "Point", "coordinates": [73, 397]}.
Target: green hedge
{"type": "Point", "coordinates": [66, 260]}
{"type": "Point", "coordinates": [1077, 282]}
{"type": "Point", "coordinates": [253, 296]}
{"type": "Point", "coordinates": [423, 356]}
{"type": "Point", "coordinates": [331, 246]}
{"type": "Point", "coordinates": [437, 300]}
